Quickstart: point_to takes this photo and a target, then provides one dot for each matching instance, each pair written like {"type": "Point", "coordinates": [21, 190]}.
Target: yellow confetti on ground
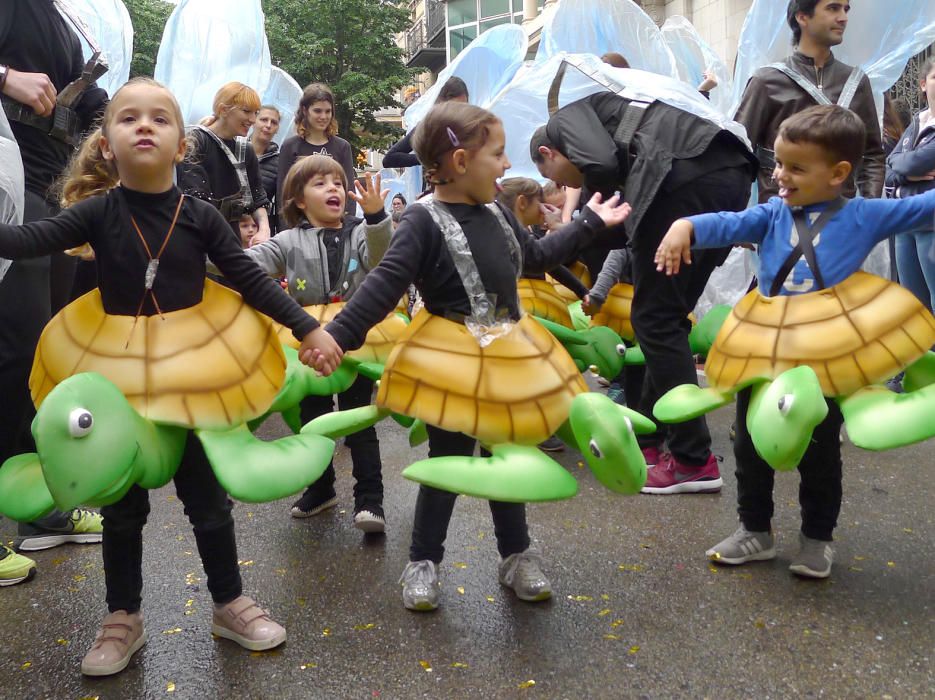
{"type": "Point", "coordinates": [611, 636]}
{"type": "Point", "coordinates": [63, 642]}
{"type": "Point", "coordinates": [759, 624]}
{"type": "Point", "coordinates": [361, 628]}
{"type": "Point", "coordinates": [280, 571]}
{"type": "Point", "coordinates": [616, 623]}
{"type": "Point", "coordinates": [300, 602]}
{"type": "Point", "coordinates": [79, 578]}
{"type": "Point", "coordinates": [326, 632]}
{"type": "Point", "coordinates": [604, 596]}
{"type": "Point", "coordinates": [460, 590]}
{"type": "Point", "coordinates": [188, 552]}
{"type": "Point", "coordinates": [854, 568]}
{"type": "Point", "coordinates": [190, 602]}
{"type": "Point", "coordinates": [713, 569]}
{"type": "Point", "coordinates": [426, 666]}
{"type": "Point", "coordinates": [635, 648]}
{"type": "Point", "coordinates": [170, 498]}
{"type": "Point", "coordinates": [580, 465]}
{"type": "Point", "coordinates": [630, 567]}
{"type": "Point", "coordinates": [646, 545]}
{"type": "Point", "coordinates": [459, 565]}
{"type": "Point", "coordinates": [907, 530]}
{"type": "Point", "coordinates": [248, 562]}
{"type": "Point", "coordinates": [189, 612]}
{"type": "Point", "coordinates": [746, 577]}
{"type": "Point", "coordinates": [489, 598]}
{"type": "Point", "coordinates": [59, 560]}
{"type": "Point", "coordinates": [170, 687]}
{"type": "Point", "coordinates": [72, 589]}
{"type": "Point", "coordinates": [481, 535]}
{"type": "Point", "coordinates": [307, 666]}
{"type": "Point", "coordinates": [458, 664]}
{"type": "Point", "coordinates": [857, 557]}
{"type": "Point", "coordinates": [249, 514]}
{"type": "Point", "coordinates": [580, 598]}
{"type": "Point", "coordinates": [891, 564]}
{"type": "Point", "coordinates": [605, 611]}
{"type": "Point", "coordinates": [527, 684]}
{"type": "Point", "coordinates": [26, 665]}
{"type": "Point", "coordinates": [174, 630]}
{"type": "Point", "coordinates": [90, 697]}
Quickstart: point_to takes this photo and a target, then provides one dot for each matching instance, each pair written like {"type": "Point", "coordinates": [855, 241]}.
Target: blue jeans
{"type": "Point", "coordinates": [915, 262]}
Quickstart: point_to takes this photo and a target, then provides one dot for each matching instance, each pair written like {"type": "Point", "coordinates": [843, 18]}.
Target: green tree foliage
{"type": "Point", "coordinates": [149, 20]}
{"type": "Point", "coordinates": [348, 44]}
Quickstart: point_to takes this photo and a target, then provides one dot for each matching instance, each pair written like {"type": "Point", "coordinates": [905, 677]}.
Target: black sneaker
{"type": "Point", "coordinates": [313, 503]}
{"type": "Point", "coordinates": [553, 444]}
{"type": "Point", "coordinates": [370, 518]}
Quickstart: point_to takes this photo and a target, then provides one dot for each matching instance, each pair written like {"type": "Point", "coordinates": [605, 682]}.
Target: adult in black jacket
{"type": "Point", "coordinates": [668, 163]}
{"type": "Point", "coordinates": [267, 153]}
{"type": "Point", "coordinates": [400, 154]}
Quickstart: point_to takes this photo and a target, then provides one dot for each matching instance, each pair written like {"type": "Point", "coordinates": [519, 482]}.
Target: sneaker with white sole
{"type": "Point", "coordinates": [121, 635]}
{"type": "Point", "coordinates": [670, 476]}
{"type": "Point", "coordinates": [245, 622]}
{"type": "Point", "coordinates": [80, 527]}
{"type": "Point", "coordinates": [420, 585]}
{"type": "Point", "coordinates": [15, 568]}
{"type": "Point", "coordinates": [743, 546]}
{"type": "Point", "coordinates": [312, 503]}
{"type": "Point", "coordinates": [523, 573]}
{"type": "Point", "coordinates": [370, 519]}
{"type": "Point", "coordinates": [814, 558]}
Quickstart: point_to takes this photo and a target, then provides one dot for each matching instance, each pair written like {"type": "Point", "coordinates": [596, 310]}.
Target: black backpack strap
{"type": "Point", "coordinates": [804, 245]}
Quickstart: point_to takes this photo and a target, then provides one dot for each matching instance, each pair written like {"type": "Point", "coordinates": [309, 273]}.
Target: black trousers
{"type": "Point", "coordinates": [365, 448]}
{"type": "Point", "coordinates": [819, 470]}
{"type": "Point", "coordinates": [434, 508]}
{"type": "Point", "coordinates": [661, 304]}
{"type": "Point", "coordinates": [208, 509]}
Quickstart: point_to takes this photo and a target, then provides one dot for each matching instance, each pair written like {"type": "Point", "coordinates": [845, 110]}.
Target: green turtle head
{"type": "Point", "coordinates": [85, 437]}
{"type": "Point", "coordinates": [606, 435]}
{"type": "Point", "coordinates": [598, 348]}
{"type": "Point", "coordinates": [783, 414]}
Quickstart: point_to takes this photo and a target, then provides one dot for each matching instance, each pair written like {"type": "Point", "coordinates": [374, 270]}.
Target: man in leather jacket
{"type": "Point", "coordinates": [774, 93]}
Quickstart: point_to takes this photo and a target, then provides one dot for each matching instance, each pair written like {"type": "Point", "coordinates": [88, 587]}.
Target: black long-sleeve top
{"type": "Point", "coordinates": [400, 154]}
{"type": "Point", "coordinates": [208, 161]}
{"type": "Point", "coordinates": [104, 222]}
{"type": "Point", "coordinates": [418, 254]}
{"type": "Point", "coordinates": [296, 147]}
{"type": "Point", "coordinates": [561, 274]}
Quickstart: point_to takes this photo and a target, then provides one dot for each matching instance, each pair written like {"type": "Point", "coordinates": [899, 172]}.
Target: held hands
{"type": "Point", "coordinates": [32, 89]}
{"type": "Point", "coordinates": [590, 305]}
{"type": "Point", "coordinates": [611, 212]}
{"type": "Point", "coordinates": [551, 215]}
{"type": "Point", "coordinates": [369, 195]}
{"type": "Point", "coordinates": [320, 351]}
{"type": "Point", "coordinates": [676, 247]}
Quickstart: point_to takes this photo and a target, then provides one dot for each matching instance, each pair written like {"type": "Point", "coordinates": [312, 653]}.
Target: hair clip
{"type": "Point", "coordinates": [452, 137]}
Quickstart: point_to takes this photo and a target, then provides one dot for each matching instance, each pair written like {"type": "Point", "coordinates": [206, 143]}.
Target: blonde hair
{"type": "Point", "coordinates": [315, 92]}
{"type": "Point", "coordinates": [513, 187]}
{"type": "Point", "coordinates": [303, 170]}
{"type": "Point", "coordinates": [232, 94]}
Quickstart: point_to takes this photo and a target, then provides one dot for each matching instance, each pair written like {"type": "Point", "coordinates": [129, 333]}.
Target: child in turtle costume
{"type": "Point", "coordinates": [811, 242]}
{"type": "Point", "coordinates": [471, 365]}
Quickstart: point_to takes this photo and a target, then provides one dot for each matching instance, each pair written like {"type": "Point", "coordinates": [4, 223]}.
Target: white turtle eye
{"type": "Point", "coordinates": [595, 450]}
{"type": "Point", "coordinates": [621, 349]}
{"type": "Point", "coordinates": [785, 403]}
{"type": "Point", "coordinates": [80, 422]}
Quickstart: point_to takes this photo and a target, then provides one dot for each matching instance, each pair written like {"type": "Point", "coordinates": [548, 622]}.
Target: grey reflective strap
{"type": "Point", "coordinates": [629, 123]}
{"type": "Point", "coordinates": [71, 14]}
{"type": "Point", "coordinates": [594, 75]}
{"type": "Point", "coordinates": [850, 88]}
{"type": "Point", "coordinates": [238, 162]}
{"type": "Point", "coordinates": [516, 251]}
{"type": "Point", "coordinates": [766, 157]}
{"type": "Point", "coordinates": [802, 82]}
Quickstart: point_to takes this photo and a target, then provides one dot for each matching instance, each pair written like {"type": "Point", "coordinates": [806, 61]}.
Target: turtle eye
{"type": "Point", "coordinates": [80, 422]}
{"type": "Point", "coordinates": [785, 403]}
{"type": "Point", "coordinates": [595, 449]}
{"type": "Point", "coordinates": [621, 349]}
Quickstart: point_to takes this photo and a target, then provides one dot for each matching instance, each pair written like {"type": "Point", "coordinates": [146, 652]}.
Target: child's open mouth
{"type": "Point", "coordinates": [333, 201]}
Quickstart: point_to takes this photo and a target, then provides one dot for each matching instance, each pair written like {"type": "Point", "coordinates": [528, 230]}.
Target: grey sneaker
{"type": "Point", "coordinates": [814, 558]}
{"type": "Point", "coordinates": [522, 572]}
{"type": "Point", "coordinates": [743, 546]}
{"type": "Point", "coordinates": [79, 527]}
{"type": "Point", "coordinates": [420, 585]}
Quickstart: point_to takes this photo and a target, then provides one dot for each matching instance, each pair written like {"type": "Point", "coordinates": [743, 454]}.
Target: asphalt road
{"type": "Point", "coordinates": [637, 611]}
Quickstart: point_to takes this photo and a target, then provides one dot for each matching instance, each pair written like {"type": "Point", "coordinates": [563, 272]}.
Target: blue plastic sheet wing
{"type": "Point", "coordinates": [207, 43]}
{"type": "Point", "coordinates": [284, 93]}
{"type": "Point", "coordinates": [599, 26]}
{"type": "Point", "coordinates": [109, 24]}
{"type": "Point", "coordinates": [485, 66]}
{"type": "Point", "coordinates": [693, 56]}
{"type": "Point", "coordinates": [12, 181]}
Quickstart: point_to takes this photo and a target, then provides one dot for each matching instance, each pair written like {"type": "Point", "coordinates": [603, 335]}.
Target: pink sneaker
{"type": "Point", "coordinates": [652, 455]}
{"type": "Point", "coordinates": [246, 623]}
{"type": "Point", "coordinates": [671, 476]}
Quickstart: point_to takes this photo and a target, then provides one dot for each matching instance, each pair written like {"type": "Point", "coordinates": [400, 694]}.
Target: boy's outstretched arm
{"type": "Point", "coordinates": [675, 247]}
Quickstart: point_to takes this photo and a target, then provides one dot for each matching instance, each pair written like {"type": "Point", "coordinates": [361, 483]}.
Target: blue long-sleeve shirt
{"type": "Point", "coordinates": [845, 242]}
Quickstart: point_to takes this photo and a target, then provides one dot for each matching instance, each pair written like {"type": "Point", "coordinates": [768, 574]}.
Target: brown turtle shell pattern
{"type": "Point", "coordinates": [856, 333]}
{"type": "Point", "coordinates": [539, 298]}
{"type": "Point", "coordinates": [380, 339]}
{"type": "Point", "coordinates": [616, 311]}
{"type": "Point", "coordinates": [213, 365]}
{"type": "Point", "coordinates": [579, 270]}
{"type": "Point", "coordinates": [517, 389]}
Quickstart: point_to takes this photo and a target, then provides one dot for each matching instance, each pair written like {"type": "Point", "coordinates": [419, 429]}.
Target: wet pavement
{"type": "Point", "coordinates": [637, 610]}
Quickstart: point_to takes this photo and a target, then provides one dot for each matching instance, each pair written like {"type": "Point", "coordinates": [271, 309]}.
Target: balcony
{"type": "Point", "coordinates": [425, 41]}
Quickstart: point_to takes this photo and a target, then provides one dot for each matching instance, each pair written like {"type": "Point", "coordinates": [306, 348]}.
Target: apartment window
{"type": "Point", "coordinates": [492, 8]}
{"type": "Point", "coordinates": [461, 11]}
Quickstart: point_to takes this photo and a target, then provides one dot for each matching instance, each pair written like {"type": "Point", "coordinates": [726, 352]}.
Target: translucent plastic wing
{"type": "Point", "coordinates": [523, 104]}
{"type": "Point", "coordinates": [693, 56]}
{"type": "Point", "coordinates": [110, 25]}
{"type": "Point", "coordinates": [485, 66]}
{"type": "Point", "coordinates": [599, 26]}
{"type": "Point", "coordinates": [207, 43]}
{"type": "Point", "coordinates": [283, 93]}
{"type": "Point", "coordinates": [12, 181]}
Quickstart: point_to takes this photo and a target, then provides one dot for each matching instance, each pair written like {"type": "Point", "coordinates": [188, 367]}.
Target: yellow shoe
{"type": "Point", "coordinates": [14, 568]}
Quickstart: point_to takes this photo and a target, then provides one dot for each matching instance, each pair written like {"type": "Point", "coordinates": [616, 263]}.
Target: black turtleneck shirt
{"type": "Point", "coordinates": [104, 222]}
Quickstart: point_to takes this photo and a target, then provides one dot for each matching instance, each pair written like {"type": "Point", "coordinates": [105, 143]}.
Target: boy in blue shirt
{"type": "Point", "coordinates": [816, 150]}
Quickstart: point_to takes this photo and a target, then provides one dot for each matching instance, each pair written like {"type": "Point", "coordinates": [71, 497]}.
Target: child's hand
{"type": "Point", "coordinates": [590, 305]}
{"type": "Point", "coordinates": [675, 248]}
{"type": "Point", "coordinates": [552, 216]}
{"type": "Point", "coordinates": [611, 212]}
{"type": "Point", "coordinates": [320, 351]}
{"type": "Point", "coordinates": [368, 195]}
{"type": "Point", "coordinates": [262, 233]}
{"type": "Point", "coordinates": [709, 82]}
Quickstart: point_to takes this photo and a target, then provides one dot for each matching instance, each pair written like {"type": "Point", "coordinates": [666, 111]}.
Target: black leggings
{"type": "Point", "coordinates": [434, 508]}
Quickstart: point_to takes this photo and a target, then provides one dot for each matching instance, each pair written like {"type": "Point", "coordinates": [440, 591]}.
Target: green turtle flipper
{"type": "Point", "coordinates": [513, 474]}
{"type": "Point", "coordinates": [565, 336]}
{"type": "Point", "coordinates": [702, 335]}
{"type": "Point", "coordinates": [920, 373]}
{"type": "Point", "coordinates": [878, 419]}
{"type": "Point", "coordinates": [579, 320]}
{"type": "Point", "coordinates": [292, 417]}
{"type": "Point", "coordinates": [24, 496]}
{"type": "Point", "coordinates": [255, 471]}
{"type": "Point", "coordinates": [783, 414]}
{"type": "Point", "coordinates": [605, 434]}
{"type": "Point", "coordinates": [417, 433]}
{"type": "Point", "coordinates": [634, 356]}
{"type": "Point", "coordinates": [371, 370]}
{"type": "Point", "coordinates": [337, 424]}
{"type": "Point", "coordinates": [688, 401]}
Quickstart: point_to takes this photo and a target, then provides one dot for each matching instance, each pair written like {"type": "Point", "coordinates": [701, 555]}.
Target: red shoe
{"type": "Point", "coordinates": [652, 455]}
{"type": "Point", "coordinates": [671, 476]}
